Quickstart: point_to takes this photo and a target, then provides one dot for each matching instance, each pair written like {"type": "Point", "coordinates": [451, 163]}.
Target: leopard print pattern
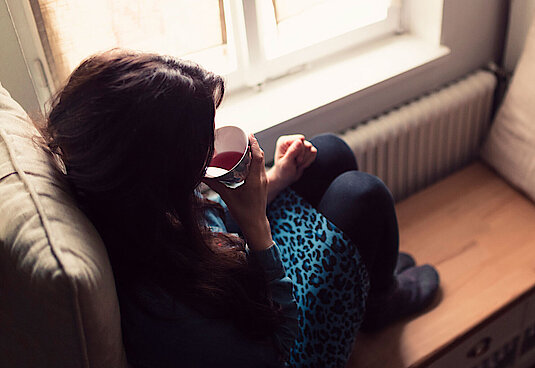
{"type": "Point", "coordinates": [330, 281]}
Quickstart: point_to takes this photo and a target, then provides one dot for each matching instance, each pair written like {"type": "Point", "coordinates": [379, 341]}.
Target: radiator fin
{"type": "Point", "coordinates": [421, 142]}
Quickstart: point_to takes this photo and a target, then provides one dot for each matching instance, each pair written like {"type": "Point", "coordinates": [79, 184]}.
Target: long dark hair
{"type": "Point", "coordinates": [135, 132]}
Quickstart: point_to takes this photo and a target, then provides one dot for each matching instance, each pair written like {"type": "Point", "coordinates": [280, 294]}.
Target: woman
{"type": "Point", "coordinates": [135, 132]}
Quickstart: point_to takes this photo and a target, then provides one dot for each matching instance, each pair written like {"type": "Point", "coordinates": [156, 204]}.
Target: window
{"type": "Point", "coordinates": [70, 30]}
{"type": "Point", "coordinates": [248, 41]}
{"type": "Point", "coordinates": [301, 23]}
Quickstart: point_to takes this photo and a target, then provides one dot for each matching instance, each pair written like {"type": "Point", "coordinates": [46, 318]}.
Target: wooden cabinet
{"type": "Point", "coordinates": [495, 345]}
{"type": "Point", "coordinates": [526, 351]}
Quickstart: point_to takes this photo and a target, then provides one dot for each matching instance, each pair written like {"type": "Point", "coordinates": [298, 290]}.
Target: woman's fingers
{"type": "Point", "coordinates": [308, 156]}
{"type": "Point", "coordinates": [305, 155]}
{"type": "Point", "coordinates": [256, 151]}
{"type": "Point", "coordinates": [295, 150]}
{"type": "Point", "coordinates": [257, 167]}
{"type": "Point", "coordinates": [300, 153]}
{"type": "Point", "coordinates": [285, 142]}
{"type": "Point", "coordinates": [289, 139]}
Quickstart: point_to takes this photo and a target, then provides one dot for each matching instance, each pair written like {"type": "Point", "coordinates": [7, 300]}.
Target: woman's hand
{"type": "Point", "coordinates": [293, 154]}
{"type": "Point", "coordinates": [247, 203]}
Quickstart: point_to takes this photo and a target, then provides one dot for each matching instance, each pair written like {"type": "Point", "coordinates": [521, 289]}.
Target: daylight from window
{"type": "Point", "coordinates": [214, 33]}
{"type": "Point", "coordinates": [79, 28]}
{"type": "Point", "coordinates": [300, 23]}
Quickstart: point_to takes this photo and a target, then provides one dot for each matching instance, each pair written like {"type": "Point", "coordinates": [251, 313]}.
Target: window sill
{"type": "Point", "coordinates": [284, 99]}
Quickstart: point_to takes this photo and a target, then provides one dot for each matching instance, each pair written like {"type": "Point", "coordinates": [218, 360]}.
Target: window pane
{"type": "Point", "coordinates": [357, 10]}
{"type": "Point", "coordinates": [285, 9]}
{"type": "Point", "coordinates": [75, 29]}
{"type": "Point", "coordinates": [300, 23]}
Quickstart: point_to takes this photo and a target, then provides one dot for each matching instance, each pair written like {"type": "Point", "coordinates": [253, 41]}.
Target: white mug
{"type": "Point", "coordinates": [232, 156]}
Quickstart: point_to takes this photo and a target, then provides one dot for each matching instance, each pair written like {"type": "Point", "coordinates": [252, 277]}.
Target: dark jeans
{"type": "Point", "coordinates": [357, 203]}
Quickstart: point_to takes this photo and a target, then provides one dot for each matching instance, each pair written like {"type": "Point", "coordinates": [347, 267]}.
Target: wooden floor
{"type": "Point", "coordinates": [480, 234]}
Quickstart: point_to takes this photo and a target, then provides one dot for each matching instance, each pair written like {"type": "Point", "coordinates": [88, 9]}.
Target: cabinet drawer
{"type": "Point", "coordinates": [494, 345]}
{"type": "Point", "coordinates": [527, 345]}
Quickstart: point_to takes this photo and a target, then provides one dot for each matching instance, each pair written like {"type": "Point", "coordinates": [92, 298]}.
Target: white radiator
{"type": "Point", "coordinates": [413, 146]}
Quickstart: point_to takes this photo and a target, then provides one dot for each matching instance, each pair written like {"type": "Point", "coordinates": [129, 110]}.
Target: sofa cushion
{"type": "Point", "coordinates": [58, 302]}
{"type": "Point", "coordinates": [510, 147]}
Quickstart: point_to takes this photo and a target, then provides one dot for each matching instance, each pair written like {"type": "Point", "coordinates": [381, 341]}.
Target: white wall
{"type": "Point", "coordinates": [521, 16]}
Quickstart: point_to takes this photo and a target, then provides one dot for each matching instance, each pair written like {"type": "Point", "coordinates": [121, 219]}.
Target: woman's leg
{"type": "Point", "coordinates": [358, 203]}
{"type": "Point", "coordinates": [362, 207]}
{"type": "Point", "coordinates": [334, 157]}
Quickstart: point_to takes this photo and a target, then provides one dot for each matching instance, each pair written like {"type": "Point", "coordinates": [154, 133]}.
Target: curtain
{"type": "Point", "coordinates": [71, 30]}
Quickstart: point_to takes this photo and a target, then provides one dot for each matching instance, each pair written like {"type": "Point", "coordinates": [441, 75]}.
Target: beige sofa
{"type": "Point", "coordinates": [58, 306]}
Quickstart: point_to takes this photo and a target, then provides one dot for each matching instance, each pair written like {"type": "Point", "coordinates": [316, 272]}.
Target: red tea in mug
{"type": "Point", "coordinates": [226, 160]}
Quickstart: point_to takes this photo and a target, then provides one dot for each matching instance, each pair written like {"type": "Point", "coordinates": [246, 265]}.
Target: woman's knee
{"type": "Point", "coordinates": [334, 157]}
{"type": "Point", "coordinates": [362, 190]}
{"type": "Point", "coordinates": [333, 152]}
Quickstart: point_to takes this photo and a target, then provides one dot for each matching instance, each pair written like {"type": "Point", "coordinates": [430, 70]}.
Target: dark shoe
{"type": "Point", "coordinates": [412, 292]}
{"type": "Point", "coordinates": [405, 261]}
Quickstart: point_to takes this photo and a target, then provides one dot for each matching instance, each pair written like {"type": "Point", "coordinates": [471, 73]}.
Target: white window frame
{"type": "Point", "coordinates": [249, 22]}
{"type": "Point", "coordinates": [244, 31]}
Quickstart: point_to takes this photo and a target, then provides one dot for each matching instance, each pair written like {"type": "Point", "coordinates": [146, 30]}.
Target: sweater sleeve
{"type": "Point", "coordinates": [282, 293]}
